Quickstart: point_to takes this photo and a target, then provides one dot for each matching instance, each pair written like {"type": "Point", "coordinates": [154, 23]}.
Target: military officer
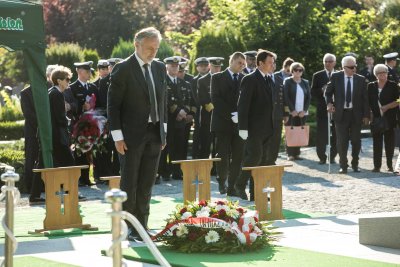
{"type": "Point", "coordinates": [368, 70]}
{"type": "Point", "coordinates": [102, 68]}
{"type": "Point", "coordinates": [206, 107]}
{"type": "Point", "coordinates": [250, 62]}
{"type": "Point", "coordinates": [391, 62]}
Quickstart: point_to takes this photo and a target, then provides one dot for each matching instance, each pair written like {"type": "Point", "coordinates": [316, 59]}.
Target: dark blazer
{"type": "Point", "coordinates": [318, 85]}
{"type": "Point", "coordinates": [204, 89]}
{"type": "Point", "coordinates": [335, 93]}
{"type": "Point", "coordinates": [277, 96]}
{"type": "Point", "coordinates": [28, 109]}
{"type": "Point", "coordinates": [390, 93]}
{"type": "Point", "coordinates": [128, 104]}
{"type": "Point", "coordinates": [193, 85]}
{"type": "Point", "coordinates": [369, 76]}
{"type": "Point", "coordinates": [104, 83]}
{"type": "Point", "coordinates": [392, 75]}
{"type": "Point", "coordinates": [80, 93]}
{"type": "Point", "coordinates": [59, 120]}
{"type": "Point", "coordinates": [224, 97]}
{"type": "Point", "coordinates": [290, 90]}
{"type": "Point", "coordinates": [255, 105]}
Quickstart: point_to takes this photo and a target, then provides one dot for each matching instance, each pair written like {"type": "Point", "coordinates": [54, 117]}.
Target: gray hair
{"type": "Point", "coordinates": [348, 59]}
{"type": "Point", "coordinates": [296, 65]}
{"type": "Point", "coordinates": [149, 32]}
{"type": "Point", "coordinates": [380, 68]}
{"type": "Point", "coordinates": [50, 69]}
{"type": "Point", "coordinates": [328, 56]}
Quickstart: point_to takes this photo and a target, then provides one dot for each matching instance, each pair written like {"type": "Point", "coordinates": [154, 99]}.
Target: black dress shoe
{"type": "Point", "coordinates": [241, 193]}
{"type": "Point", "coordinates": [222, 188]}
{"type": "Point", "coordinates": [158, 180]}
{"type": "Point", "coordinates": [375, 170]}
{"type": "Point", "coordinates": [356, 169]}
{"type": "Point", "coordinates": [390, 169]}
{"type": "Point", "coordinates": [231, 193]}
{"type": "Point", "coordinates": [298, 157]}
{"type": "Point", "coordinates": [322, 162]}
{"type": "Point", "coordinates": [133, 235]}
{"type": "Point", "coordinates": [86, 183]}
{"type": "Point", "coordinates": [343, 171]}
{"type": "Point", "coordinates": [98, 181]}
{"type": "Point", "coordinates": [36, 201]}
{"type": "Point", "coordinates": [81, 198]}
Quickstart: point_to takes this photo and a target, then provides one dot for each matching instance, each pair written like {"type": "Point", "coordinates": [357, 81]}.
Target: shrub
{"type": "Point", "coordinates": [65, 54]}
{"type": "Point", "coordinates": [91, 55]}
{"type": "Point", "coordinates": [11, 110]}
{"type": "Point", "coordinates": [18, 145]}
{"type": "Point", "coordinates": [15, 159]}
{"type": "Point", "coordinates": [11, 130]}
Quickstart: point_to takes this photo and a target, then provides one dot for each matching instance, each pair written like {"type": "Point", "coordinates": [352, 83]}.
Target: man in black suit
{"type": "Point", "coordinates": [206, 106]}
{"type": "Point", "coordinates": [137, 115]}
{"type": "Point", "coordinates": [347, 98]}
{"type": "Point", "coordinates": [82, 90]}
{"type": "Point", "coordinates": [391, 62]}
{"type": "Point", "coordinates": [368, 70]}
{"type": "Point", "coordinates": [224, 97]}
{"type": "Point", "coordinates": [319, 82]}
{"type": "Point", "coordinates": [255, 113]}
{"type": "Point", "coordinates": [202, 68]}
{"type": "Point", "coordinates": [250, 62]}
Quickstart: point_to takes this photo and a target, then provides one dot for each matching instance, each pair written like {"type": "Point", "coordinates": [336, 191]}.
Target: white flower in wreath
{"type": "Point", "coordinates": [212, 204]}
{"type": "Point", "coordinates": [222, 207]}
{"type": "Point", "coordinates": [253, 237]}
{"type": "Point", "coordinates": [202, 214]}
{"type": "Point", "coordinates": [212, 237]}
{"type": "Point", "coordinates": [205, 209]}
{"type": "Point", "coordinates": [257, 230]}
{"type": "Point", "coordinates": [242, 238]}
{"type": "Point", "coordinates": [186, 215]}
{"type": "Point", "coordinates": [227, 228]}
{"type": "Point", "coordinates": [181, 230]}
{"type": "Point", "coordinates": [233, 213]}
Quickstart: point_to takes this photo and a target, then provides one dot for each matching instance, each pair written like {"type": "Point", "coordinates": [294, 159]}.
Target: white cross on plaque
{"type": "Point", "coordinates": [61, 194]}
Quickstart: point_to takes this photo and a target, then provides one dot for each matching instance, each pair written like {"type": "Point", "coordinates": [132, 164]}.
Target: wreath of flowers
{"type": "Point", "coordinates": [217, 227]}
{"type": "Point", "coordinates": [86, 136]}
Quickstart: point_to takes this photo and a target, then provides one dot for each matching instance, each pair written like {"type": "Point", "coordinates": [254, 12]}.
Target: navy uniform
{"type": "Point", "coordinates": [250, 62]}
{"type": "Point", "coordinates": [101, 65]}
{"type": "Point", "coordinates": [392, 74]}
{"type": "Point", "coordinates": [80, 91]}
{"type": "Point", "coordinates": [196, 133]}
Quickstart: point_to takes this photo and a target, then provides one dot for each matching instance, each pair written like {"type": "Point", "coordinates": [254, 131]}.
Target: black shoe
{"type": "Point", "coordinates": [166, 178]}
{"type": "Point", "coordinates": [241, 193]}
{"type": "Point", "coordinates": [231, 193]}
{"type": "Point", "coordinates": [177, 177]}
{"type": "Point", "coordinates": [86, 183]}
{"type": "Point", "coordinates": [81, 198]}
{"type": "Point", "coordinates": [343, 171]}
{"type": "Point", "coordinates": [375, 170]}
{"type": "Point", "coordinates": [158, 180]}
{"type": "Point", "coordinates": [222, 188]}
{"type": "Point", "coordinates": [133, 235]}
{"type": "Point", "coordinates": [36, 201]}
{"type": "Point", "coordinates": [322, 162]}
{"type": "Point", "coordinates": [98, 181]}
{"type": "Point", "coordinates": [390, 169]}
{"type": "Point", "coordinates": [298, 157]}
{"type": "Point", "coordinates": [356, 169]}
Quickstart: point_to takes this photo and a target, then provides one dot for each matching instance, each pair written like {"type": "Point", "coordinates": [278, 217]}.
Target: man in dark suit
{"type": "Point", "coordinates": [391, 62]}
{"type": "Point", "coordinates": [319, 82]}
{"type": "Point", "coordinates": [206, 106]}
{"type": "Point", "coordinates": [202, 68]}
{"type": "Point", "coordinates": [250, 62]}
{"type": "Point", "coordinates": [224, 97]}
{"type": "Point", "coordinates": [82, 90]}
{"type": "Point", "coordinates": [347, 98]}
{"type": "Point", "coordinates": [103, 70]}
{"type": "Point", "coordinates": [368, 70]}
{"type": "Point", "coordinates": [255, 113]}
{"type": "Point", "coordinates": [137, 115]}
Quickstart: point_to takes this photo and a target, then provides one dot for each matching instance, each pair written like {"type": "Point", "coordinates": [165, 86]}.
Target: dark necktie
{"type": "Point", "coordinates": [236, 81]}
{"type": "Point", "coordinates": [348, 92]}
{"type": "Point", "coordinates": [153, 112]}
{"type": "Point", "coordinates": [329, 75]}
{"type": "Point", "coordinates": [269, 81]}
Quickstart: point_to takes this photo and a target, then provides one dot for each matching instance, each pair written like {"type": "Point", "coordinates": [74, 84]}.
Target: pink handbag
{"type": "Point", "coordinates": [297, 135]}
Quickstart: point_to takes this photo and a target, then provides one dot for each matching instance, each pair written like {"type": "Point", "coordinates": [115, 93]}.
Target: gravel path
{"type": "Point", "coordinates": [307, 187]}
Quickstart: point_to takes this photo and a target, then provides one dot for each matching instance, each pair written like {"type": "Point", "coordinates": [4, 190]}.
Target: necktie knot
{"type": "Point", "coordinates": [235, 76]}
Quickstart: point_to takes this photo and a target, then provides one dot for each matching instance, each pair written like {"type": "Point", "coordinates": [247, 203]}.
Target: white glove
{"type": "Point", "coordinates": [165, 127]}
{"type": "Point", "coordinates": [244, 134]}
{"type": "Point", "coordinates": [235, 118]}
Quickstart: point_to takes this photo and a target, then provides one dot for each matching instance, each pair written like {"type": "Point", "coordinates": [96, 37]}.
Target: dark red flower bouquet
{"type": "Point", "coordinates": [86, 136]}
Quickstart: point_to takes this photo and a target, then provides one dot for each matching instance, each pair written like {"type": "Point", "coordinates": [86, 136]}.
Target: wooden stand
{"type": "Point", "coordinates": [113, 181]}
{"type": "Point", "coordinates": [62, 210]}
{"type": "Point", "coordinates": [196, 173]}
{"type": "Point", "coordinates": [268, 183]}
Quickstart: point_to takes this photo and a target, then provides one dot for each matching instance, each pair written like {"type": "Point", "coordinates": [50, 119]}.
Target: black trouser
{"type": "Point", "coordinates": [322, 136]}
{"type": "Point", "coordinates": [138, 173]}
{"type": "Point", "coordinates": [83, 159]}
{"type": "Point", "coordinates": [31, 156]}
{"type": "Point", "coordinates": [349, 129]}
{"type": "Point", "coordinates": [378, 139]}
{"type": "Point", "coordinates": [295, 121]}
{"type": "Point", "coordinates": [177, 149]}
{"type": "Point", "coordinates": [230, 150]}
{"type": "Point", "coordinates": [274, 143]}
{"type": "Point", "coordinates": [255, 155]}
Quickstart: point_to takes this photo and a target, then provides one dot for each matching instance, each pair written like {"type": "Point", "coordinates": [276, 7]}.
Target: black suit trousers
{"type": "Point", "coordinates": [322, 136]}
{"type": "Point", "coordinates": [274, 144]}
{"type": "Point", "coordinates": [348, 130]}
{"type": "Point", "coordinates": [230, 149]}
{"type": "Point", "coordinates": [378, 139]}
{"type": "Point", "coordinates": [138, 173]}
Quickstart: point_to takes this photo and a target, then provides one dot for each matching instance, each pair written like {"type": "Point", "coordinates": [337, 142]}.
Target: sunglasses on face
{"type": "Point", "coordinates": [297, 70]}
{"type": "Point", "coordinates": [329, 61]}
{"type": "Point", "coordinates": [351, 67]}
{"type": "Point", "coordinates": [384, 72]}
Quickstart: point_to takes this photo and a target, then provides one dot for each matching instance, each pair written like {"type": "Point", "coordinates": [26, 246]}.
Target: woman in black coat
{"type": "Point", "coordinates": [382, 96]}
{"type": "Point", "coordinates": [296, 88]}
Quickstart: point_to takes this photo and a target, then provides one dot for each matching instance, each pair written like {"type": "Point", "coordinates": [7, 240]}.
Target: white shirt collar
{"type": "Point", "coordinates": [141, 62]}
{"type": "Point", "coordinates": [173, 79]}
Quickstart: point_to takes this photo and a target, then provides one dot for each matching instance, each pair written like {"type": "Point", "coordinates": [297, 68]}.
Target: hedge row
{"type": "Point", "coordinates": [16, 159]}
{"type": "Point", "coordinates": [11, 130]}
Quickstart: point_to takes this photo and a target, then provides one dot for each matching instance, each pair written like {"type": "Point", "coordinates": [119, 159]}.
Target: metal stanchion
{"type": "Point", "coordinates": [11, 194]}
{"type": "Point", "coordinates": [329, 141]}
{"type": "Point", "coordinates": [120, 229]}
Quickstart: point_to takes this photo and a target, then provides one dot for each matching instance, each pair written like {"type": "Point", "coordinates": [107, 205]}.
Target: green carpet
{"type": "Point", "coordinates": [94, 213]}
{"type": "Point", "coordinates": [272, 256]}
{"type": "Point", "coordinates": [38, 262]}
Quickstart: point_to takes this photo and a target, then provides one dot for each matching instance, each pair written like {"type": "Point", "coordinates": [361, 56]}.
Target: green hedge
{"type": "Point", "coordinates": [15, 159]}
{"type": "Point", "coordinates": [11, 130]}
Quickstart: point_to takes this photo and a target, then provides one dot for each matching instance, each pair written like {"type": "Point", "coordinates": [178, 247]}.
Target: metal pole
{"type": "Point", "coordinates": [116, 197]}
{"type": "Point", "coordinates": [329, 141]}
{"type": "Point", "coordinates": [9, 177]}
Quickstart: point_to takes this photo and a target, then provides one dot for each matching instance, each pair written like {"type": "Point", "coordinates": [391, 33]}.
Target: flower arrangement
{"type": "Point", "coordinates": [87, 137]}
{"type": "Point", "coordinates": [219, 227]}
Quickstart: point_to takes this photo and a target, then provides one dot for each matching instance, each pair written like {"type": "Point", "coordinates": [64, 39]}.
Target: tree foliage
{"type": "Point", "coordinates": [65, 54]}
{"type": "Point", "coordinates": [126, 48]}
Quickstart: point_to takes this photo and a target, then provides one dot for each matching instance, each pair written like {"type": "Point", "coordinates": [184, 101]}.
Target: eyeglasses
{"type": "Point", "coordinates": [351, 67]}
{"type": "Point", "coordinates": [329, 61]}
{"type": "Point", "coordinates": [297, 70]}
{"type": "Point", "coordinates": [383, 72]}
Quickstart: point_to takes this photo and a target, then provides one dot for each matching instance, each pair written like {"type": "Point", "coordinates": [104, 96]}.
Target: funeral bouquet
{"type": "Point", "coordinates": [87, 136]}
{"type": "Point", "coordinates": [218, 227]}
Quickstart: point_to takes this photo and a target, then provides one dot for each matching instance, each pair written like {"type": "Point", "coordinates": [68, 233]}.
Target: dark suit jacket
{"type": "Point", "coordinates": [80, 93]}
{"type": "Point", "coordinates": [193, 85]}
{"type": "Point", "coordinates": [255, 105]}
{"type": "Point", "coordinates": [277, 96]}
{"type": "Point", "coordinates": [369, 76]}
{"type": "Point", "coordinates": [28, 109]}
{"type": "Point", "coordinates": [318, 85]}
{"type": "Point", "coordinates": [224, 97]}
{"type": "Point", "coordinates": [390, 93]}
{"type": "Point", "coordinates": [104, 83]}
{"type": "Point", "coordinates": [128, 104]}
{"type": "Point", "coordinates": [335, 93]}
{"type": "Point", "coordinates": [59, 120]}
{"type": "Point", "coordinates": [290, 90]}
{"type": "Point", "coordinates": [392, 75]}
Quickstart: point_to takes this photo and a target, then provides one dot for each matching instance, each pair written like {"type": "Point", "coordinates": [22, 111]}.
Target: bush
{"type": "Point", "coordinates": [12, 68]}
{"type": "Point", "coordinates": [11, 130]}
{"type": "Point", "coordinates": [11, 110]}
{"type": "Point", "coordinates": [91, 55]}
{"type": "Point", "coordinates": [18, 145]}
{"type": "Point", "coordinates": [15, 159]}
{"type": "Point", "coordinates": [125, 48]}
{"type": "Point", "coordinates": [65, 54]}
